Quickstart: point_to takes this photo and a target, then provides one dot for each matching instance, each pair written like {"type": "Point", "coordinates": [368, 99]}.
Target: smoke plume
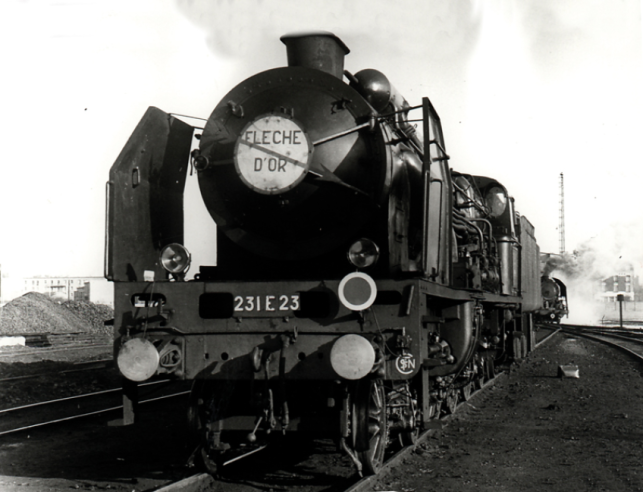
{"type": "Point", "coordinates": [616, 250]}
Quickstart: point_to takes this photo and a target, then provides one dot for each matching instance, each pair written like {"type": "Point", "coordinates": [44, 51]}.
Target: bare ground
{"type": "Point", "coordinates": [534, 431]}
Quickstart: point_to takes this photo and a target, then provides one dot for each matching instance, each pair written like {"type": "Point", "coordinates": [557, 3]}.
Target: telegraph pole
{"type": "Point", "coordinates": [561, 216]}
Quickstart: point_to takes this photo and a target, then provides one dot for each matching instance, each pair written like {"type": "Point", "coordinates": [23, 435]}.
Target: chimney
{"type": "Point", "coordinates": [319, 50]}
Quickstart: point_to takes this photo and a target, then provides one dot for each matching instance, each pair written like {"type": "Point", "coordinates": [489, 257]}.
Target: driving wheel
{"type": "Point", "coordinates": [370, 426]}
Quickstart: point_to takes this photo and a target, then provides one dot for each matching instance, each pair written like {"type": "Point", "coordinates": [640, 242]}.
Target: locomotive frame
{"type": "Point", "coordinates": [299, 338]}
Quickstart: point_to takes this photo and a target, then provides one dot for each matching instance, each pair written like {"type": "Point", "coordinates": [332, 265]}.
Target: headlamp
{"type": "Point", "coordinates": [363, 253]}
{"type": "Point", "coordinates": [496, 201]}
{"type": "Point", "coordinates": [175, 258]}
{"type": "Point", "coordinates": [352, 357]}
{"type": "Point", "coordinates": [137, 359]}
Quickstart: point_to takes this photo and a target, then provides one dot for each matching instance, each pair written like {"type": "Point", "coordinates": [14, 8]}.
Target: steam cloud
{"type": "Point", "coordinates": [240, 29]}
{"type": "Point", "coordinates": [616, 250]}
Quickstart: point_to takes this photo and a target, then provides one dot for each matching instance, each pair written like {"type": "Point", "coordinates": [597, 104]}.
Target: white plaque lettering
{"type": "Point", "coordinates": [272, 154]}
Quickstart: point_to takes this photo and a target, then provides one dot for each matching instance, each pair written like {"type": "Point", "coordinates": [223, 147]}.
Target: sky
{"type": "Point", "coordinates": [526, 90]}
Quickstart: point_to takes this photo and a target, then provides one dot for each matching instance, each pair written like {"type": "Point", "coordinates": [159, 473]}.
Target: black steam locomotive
{"type": "Point", "coordinates": [361, 286]}
{"type": "Point", "coordinates": [554, 294]}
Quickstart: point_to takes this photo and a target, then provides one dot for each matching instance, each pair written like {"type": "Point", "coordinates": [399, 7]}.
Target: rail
{"type": "Point", "coordinates": [82, 415]}
{"type": "Point", "coordinates": [629, 341]}
{"type": "Point", "coordinates": [93, 365]}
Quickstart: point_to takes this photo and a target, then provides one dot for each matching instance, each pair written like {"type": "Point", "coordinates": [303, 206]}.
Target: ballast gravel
{"type": "Point", "coordinates": [535, 431]}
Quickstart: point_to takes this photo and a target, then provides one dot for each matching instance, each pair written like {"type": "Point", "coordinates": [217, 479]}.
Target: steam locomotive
{"type": "Point", "coordinates": [361, 288]}
{"type": "Point", "coordinates": [554, 294]}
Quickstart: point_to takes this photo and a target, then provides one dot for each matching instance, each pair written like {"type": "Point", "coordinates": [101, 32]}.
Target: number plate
{"type": "Point", "coordinates": [266, 304]}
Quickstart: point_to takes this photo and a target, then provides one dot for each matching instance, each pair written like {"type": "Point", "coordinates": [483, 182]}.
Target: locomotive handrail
{"type": "Point", "coordinates": [341, 134]}
{"type": "Point", "coordinates": [188, 116]}
{"type": "Point", "coordinates": [107, 248]}
{"type": "Point", "coordinates": [446, 156]}
{"type": "Point", "coordinates": [428, 180]}
{"type": "Point", "coordinates": [404, 110]}
{"type": "Point", "coordinates": [426, 109]}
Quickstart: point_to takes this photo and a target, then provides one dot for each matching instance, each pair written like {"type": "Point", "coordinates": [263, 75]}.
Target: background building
{"type": "Point", "coordinates": [95, 289]}
{"type": "Point", "coordinates": [623, 283]}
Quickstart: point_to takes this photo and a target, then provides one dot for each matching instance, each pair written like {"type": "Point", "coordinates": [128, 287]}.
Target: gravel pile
{"type": "Point", "coordinates": [94, 315]}
{"type": "Point", "coordinates": [38, 313]}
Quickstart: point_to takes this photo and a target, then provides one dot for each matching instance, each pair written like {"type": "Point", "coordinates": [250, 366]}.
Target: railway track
{"type": "Point", "coordinates": [616, 322]}
{"type": "Point", "coordinates": [45, 340]}
{"type": "Point", "coordinates": [629, 340]}
{"type": "Point", "coordinates": [79, 367]}
{"type": "Point", "coordinates": [40, 414]}
{"type": "Point", "coordinates": [545, 333]}
{"type": "Point", "coordinates": [44, 344]}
